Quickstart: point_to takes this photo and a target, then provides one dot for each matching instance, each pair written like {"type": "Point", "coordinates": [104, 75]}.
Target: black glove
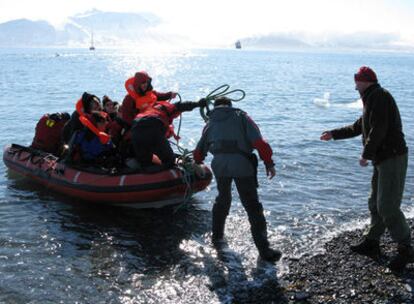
{"type": "Point", "coordinates": [202, 102]}
{"type": "Point", "coordinates": [269, 165]}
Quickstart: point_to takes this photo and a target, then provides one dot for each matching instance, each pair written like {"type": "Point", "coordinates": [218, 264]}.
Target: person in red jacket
{"type": "Point", "coordinates": [152, 128]}
{"type": "Point", "coordinates": [48, 132]}
{"type": "Point", "coordinates": [110, 107]}
{"type": "Point", "coordinates": [140, 96]}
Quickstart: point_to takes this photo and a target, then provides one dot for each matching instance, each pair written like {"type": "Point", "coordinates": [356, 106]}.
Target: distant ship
{"type": "Point", "coordinates": [92, 48]}
{"type": "Point", "coordinates": [238, 44]}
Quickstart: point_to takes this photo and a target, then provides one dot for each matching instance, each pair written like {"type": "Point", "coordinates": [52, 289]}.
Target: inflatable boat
{"type": "Point", "coordinates": [141, 190]}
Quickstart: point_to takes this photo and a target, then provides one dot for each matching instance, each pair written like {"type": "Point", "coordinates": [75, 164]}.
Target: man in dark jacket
{"type": "Point", "coordinates": [231, 135]}
{"type": "Point", "coordinates": [384, 145]}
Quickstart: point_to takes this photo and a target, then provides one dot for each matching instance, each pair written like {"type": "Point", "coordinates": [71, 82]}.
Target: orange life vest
{"type": "Point", "coordinates": [164, 111]}
{"type": "Point", "coordinates": [103, 137]}
{"type": "Point", "coordinates": [141, 102]}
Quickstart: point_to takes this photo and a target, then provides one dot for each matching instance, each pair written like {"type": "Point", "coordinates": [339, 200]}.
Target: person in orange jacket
{"type": "Point", "coordinates": [141, 95]}
{"type": "Point", "coordinates": [152, 128]}
{"type": "Point", "coordinates": [91, 148]}
{"type": "Point", "coordinates": [85, 106]}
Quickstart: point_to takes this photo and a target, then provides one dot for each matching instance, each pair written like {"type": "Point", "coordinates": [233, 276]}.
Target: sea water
{"type": "Point", "coordinates": [56, 249]}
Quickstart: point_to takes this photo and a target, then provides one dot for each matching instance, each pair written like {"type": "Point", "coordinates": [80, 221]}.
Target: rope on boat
{"type": "Point", "coordinates": [32, 153]}
{"type": "Point", "coordinates": [185, 163]}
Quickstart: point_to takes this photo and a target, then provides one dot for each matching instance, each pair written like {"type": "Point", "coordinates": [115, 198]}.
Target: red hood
{"type": "Point", "coordinates": [132, 85]}
{"type": "Point", "coordinates": [140, 78]}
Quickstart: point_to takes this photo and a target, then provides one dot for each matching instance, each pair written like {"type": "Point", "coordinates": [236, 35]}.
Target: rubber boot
{"type": "Point", "coordinates": [367, 247]}
{"type": "Point", "coordinates": [259, 232]}
{"type": "Point", "coordinates": [266, 253]}
{"type": "Point", "coordinates": [219, 220]}
{"type": "Point", "coordinates": [405, 255]}
{"type": "Point", "coordinates": [270, 255]}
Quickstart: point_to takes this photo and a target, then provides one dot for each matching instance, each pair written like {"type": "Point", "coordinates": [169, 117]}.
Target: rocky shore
{"type": "Point", "coordinates": [337, 276]}
{"type": "Point", "coordinates": [340, 276]}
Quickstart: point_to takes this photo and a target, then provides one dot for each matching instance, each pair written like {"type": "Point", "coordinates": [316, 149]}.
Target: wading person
{"type": "Point", "coordinates": [384, 145]}
{"type": "Point", "coordinates": [231, 135]}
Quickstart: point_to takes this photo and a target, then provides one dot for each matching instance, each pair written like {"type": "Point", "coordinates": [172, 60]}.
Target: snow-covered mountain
{"type": "Point", "coordinates": [115, 29]}
{"type": "Point", "coordinates": [24, 32]}
{"type": "Point", "coordinates": [109, 29]}
{"type": "Point", "coordinates": [275, 41]}
{"type": "Point", "coordinates": [327, 41]}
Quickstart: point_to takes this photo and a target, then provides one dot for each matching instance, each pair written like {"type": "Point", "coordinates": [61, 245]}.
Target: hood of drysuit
{"type": "Point", "coordinates": [222, 113]}
{"type": "Point", "coordinates": [133, 84]}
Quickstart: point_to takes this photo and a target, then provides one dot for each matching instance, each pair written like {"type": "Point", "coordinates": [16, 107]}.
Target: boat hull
{"type": "Point", "coordinates": [138, 189]}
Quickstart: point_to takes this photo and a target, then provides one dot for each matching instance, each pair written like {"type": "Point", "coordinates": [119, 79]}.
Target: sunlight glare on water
{"type": "Point", "coordinates": [55, 249]}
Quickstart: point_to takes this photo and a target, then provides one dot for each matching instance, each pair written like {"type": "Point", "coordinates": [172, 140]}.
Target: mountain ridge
{"type": "Point", "coordinates": [109, 29]}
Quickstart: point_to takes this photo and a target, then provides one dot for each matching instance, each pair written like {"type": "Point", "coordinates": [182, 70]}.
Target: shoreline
{"type": "Point", "coordinates": [341, 276]}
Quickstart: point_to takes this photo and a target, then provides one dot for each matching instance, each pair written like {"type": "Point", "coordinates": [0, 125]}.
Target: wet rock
{"type": "Point", "coordinates": [300, 296]}
{"type": "Point", "coordinates": [337, 276]}
{"type": "Point", "coordinates": [341, 276]}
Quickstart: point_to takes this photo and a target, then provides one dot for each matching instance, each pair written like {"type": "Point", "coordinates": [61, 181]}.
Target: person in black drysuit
{"type": "Point", "coordinates": [231, 135]}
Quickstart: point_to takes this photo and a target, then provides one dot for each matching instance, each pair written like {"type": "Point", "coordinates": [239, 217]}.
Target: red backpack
{"type": "Point", "coordinates": [48, 132]}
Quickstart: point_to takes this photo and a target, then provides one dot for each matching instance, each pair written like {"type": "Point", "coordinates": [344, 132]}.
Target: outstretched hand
{"type": "Point", "coordinates": [327, 135]}
{"type": "Point", "coordinates": [173, 95]}
{"type": "Point", "coordinates": [363, 162]}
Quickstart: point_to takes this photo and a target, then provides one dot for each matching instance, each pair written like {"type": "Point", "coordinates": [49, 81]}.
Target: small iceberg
{"type": "Point", "coordinates": [357, 104]}
{"type": "Point", "coordinates": [323, 102]}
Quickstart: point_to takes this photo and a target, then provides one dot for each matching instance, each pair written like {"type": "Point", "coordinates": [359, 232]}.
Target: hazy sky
{"type": "Point", "coordinates": [227, 19]}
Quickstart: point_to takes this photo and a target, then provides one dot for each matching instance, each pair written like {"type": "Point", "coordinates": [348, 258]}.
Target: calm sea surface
{"type": "Point", "coordinates": [54, 249]}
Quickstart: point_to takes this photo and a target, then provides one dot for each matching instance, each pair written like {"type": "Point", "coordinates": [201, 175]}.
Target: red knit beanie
{"type": "Point", "coordinates": [365, 74]}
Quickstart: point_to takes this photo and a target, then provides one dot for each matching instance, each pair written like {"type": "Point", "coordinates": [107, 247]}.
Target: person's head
{"type": "Point", "coordinates": [142, 82]}
{"type": "Point", "coordinates": [96, 105]}
{"type": "Point", "coordinates": [222, 101]}
{"type": "Point", "coordinates": [90, 103]}
{"type": "Point", "coordinates": [364, 78]}
{"type": "Point", "coordinates": [99, 120]}
{"type": "Point", "coordinates": [109, 106]}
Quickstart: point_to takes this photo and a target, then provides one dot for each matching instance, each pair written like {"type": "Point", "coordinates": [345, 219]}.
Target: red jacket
{"type": "Point", "coordinates": [48, 132]}
{"type": "Point", "coordinates": [138, 101]}
{"type": "Point", "coordinates": [167, 112]}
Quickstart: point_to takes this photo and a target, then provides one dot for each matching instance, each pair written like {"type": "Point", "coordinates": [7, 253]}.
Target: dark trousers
{"type": "Point", "coordinates": [384, 202]}
{"type": "Point", "coordinates": [148, 138]}
{"type": "Point", "coordinates": [246, 187]}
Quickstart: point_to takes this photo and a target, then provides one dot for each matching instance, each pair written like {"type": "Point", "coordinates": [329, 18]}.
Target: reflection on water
{"type": "Point", "coordinates": [124, 255]}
